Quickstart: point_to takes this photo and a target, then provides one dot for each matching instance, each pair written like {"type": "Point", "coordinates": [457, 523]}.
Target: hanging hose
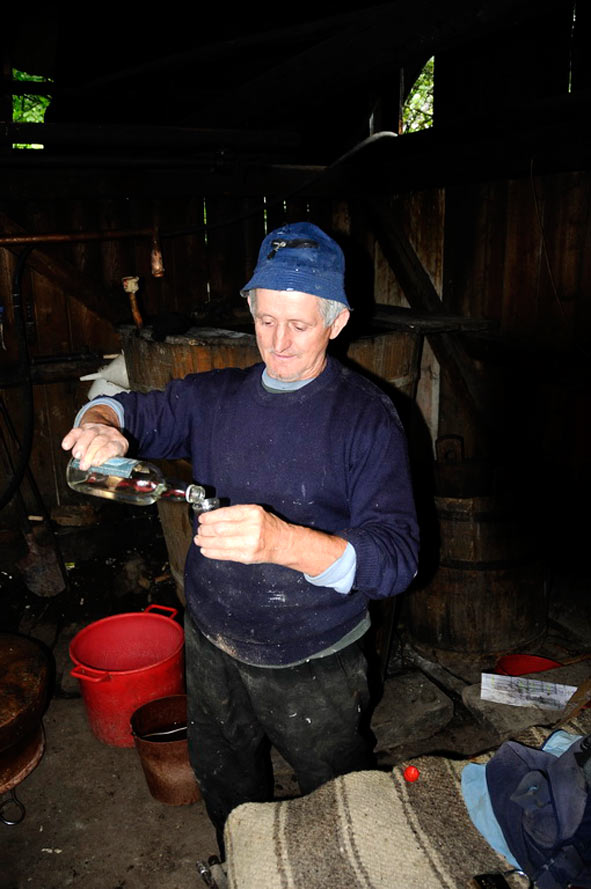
{"type": "Point", "coordinates": [26, 441]}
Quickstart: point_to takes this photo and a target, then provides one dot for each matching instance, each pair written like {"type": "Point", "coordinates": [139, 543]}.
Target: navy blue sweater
{"type": "Point", "coordinates": [331, 456]}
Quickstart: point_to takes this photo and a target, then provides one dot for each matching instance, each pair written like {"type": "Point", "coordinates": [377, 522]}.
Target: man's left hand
{"type": "Point", "coordinates": [249, 534]}
{"type": "Point", "coordinates": [243, 533]}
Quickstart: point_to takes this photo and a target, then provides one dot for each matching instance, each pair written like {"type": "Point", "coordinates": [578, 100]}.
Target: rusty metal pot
{"type": "Point", "coordinates": [164, 756]}
{"type": "Point", "coordinates": [24, 677]}
{"type": "Point", "coordinates": [24, 681]}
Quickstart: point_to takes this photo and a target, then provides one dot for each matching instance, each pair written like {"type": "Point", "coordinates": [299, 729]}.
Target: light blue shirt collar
{"type": "Point", "coordinates": [273, 385]}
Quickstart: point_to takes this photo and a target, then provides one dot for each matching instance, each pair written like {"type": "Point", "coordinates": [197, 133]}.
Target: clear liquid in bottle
{"type": "Point", "coordinates": [132, 481]}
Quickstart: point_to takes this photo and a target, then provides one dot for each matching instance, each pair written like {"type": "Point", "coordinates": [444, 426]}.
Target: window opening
{"type": "Point", "coordinates": [27, 108]}
{"type": "Point", "coordinates": [417, 111]}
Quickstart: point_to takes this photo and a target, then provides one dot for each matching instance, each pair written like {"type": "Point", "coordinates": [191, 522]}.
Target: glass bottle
{"type": "Point", "coordinates": [136, 482]}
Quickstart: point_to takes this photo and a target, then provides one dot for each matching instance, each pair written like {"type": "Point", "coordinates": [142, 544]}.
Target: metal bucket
{"type": "Point", "coordinates": [165, 760]}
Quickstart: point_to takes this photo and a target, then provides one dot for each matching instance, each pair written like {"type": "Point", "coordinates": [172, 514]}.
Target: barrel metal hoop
{"type": "Point", "coordinates": [468, 565]}
{"type": "Point", "coordinates": [471, 517]}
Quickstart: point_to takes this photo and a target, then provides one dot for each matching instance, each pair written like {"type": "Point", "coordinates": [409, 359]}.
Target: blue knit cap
{"type": "Point", "coordinates": [300, 256]}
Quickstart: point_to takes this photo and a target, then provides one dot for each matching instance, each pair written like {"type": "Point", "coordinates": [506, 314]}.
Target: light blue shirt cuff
{"type": "Point", "coordinates": [102, 399]}
{"type": "Point", "coordinates": [340, 575]}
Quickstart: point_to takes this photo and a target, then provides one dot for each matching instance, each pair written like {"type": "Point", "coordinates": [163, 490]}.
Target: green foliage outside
{"type": "Point", "coordinates": [28, 109]}
{"type": "Point", "coordinates": [417, 111]}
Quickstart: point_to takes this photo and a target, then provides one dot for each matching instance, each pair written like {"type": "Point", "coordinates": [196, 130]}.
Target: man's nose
{"type": "Point", "coordinates": [282, 339]}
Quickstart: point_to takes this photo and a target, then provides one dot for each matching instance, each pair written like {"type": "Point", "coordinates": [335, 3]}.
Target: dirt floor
{"type": "Point", "coordinates": [90, 820]}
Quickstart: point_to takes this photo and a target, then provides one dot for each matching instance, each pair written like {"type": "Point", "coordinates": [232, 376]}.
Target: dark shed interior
{"type": "Point", "coordinates": [178, 139]}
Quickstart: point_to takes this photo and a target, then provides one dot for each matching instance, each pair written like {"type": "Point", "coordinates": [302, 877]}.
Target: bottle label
{"type": "Point", "coordinates": [122, 467]}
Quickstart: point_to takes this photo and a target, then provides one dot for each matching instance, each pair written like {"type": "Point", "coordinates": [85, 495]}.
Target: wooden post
{"type": "Point", "coordinates": [423, 297]}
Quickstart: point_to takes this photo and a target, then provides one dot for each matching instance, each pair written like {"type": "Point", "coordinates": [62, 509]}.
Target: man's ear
{"type": "Point", "coordinates": [338, 323]}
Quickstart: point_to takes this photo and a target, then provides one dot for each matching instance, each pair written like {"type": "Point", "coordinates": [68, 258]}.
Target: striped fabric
{"type": "Point", "coordinates": [368, 830]}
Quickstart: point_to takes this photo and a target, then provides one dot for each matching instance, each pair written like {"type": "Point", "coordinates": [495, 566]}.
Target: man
{"type": "Point", "coordinates": [312, 460]}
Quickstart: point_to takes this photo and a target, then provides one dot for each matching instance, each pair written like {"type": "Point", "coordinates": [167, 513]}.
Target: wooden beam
{"type": "Point", "coordinates": [381, 40]}
{"type": "Point", "coordinates": [202, 57]}
{"type": "Point", "coordinates": [422, 297]}
{"type": "Point", "coordinates": [146, 137]}
{"type": "Point", "coordinates": [542, 137]}
{"type": "Point", "coordinates": [66, 275]}
{"type": "Point", "coordinates": [399, 317]}
{"type": "Point", "coordinates": [48, 178]}
{"type": "Point", "coordinates": [546, 135]}
{"type": "Point", "coordinates": [68, 369]}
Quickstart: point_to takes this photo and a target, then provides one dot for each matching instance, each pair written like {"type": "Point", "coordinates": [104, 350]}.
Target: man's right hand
{"type": "Point", "coordinates": [97, 439]}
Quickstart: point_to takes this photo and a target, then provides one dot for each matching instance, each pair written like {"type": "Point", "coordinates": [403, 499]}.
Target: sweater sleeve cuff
{"type": "Point", "coordinates": [340, 575]}
{"type": "Point", "coordinates": [374, 560]}
{"type": "Point", "coordinates": [110, 402]}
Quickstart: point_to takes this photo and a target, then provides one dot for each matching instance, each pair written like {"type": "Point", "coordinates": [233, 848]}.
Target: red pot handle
{"type": "Point", "coordinates": [89, 674]}
{"type": "Point", "coordinates": [173, 611]}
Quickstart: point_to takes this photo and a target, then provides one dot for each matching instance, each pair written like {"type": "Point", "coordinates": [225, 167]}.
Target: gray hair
{"type": "Point", "coordinates": [329, 309]}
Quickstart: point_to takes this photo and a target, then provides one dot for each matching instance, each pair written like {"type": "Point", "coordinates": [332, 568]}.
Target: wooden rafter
{"type": "Point", "coordinates": [375, 43]}
{"type": "Point", "coordinates": [423, 297]}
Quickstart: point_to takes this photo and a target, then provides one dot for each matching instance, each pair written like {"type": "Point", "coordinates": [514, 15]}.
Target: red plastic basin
{"type": "Point", "coordinates": [123, 662]}
{"type": "Point", "coordinates": [520, 664]}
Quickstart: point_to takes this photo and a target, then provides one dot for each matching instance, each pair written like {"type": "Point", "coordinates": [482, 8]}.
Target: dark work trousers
{"type": "Point", "coordinates": [313, 714]}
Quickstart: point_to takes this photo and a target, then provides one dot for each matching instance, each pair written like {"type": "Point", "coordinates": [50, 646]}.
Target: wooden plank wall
{"type": "Point", "coordinates": [204, 272]}
{"type": "Point", "coordinates": [518, 252]}
{"type": "Point", "coordinates": [489, 249]}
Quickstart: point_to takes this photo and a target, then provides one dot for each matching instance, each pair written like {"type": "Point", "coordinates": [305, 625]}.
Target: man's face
{"type": "Point", "coordinates": [291, 335]}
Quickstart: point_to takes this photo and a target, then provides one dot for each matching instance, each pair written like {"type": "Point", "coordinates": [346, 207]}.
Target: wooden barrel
{"type": "Point", "coordinates": [151, 364]}
{"type": "Point", "coordinates": [487, 594]}
{"type": "Point", "coordinates": [391, 356]}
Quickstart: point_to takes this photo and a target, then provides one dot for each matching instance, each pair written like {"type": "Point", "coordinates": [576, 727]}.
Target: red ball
{"type": "Point", "coordinates": [411, 773]}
